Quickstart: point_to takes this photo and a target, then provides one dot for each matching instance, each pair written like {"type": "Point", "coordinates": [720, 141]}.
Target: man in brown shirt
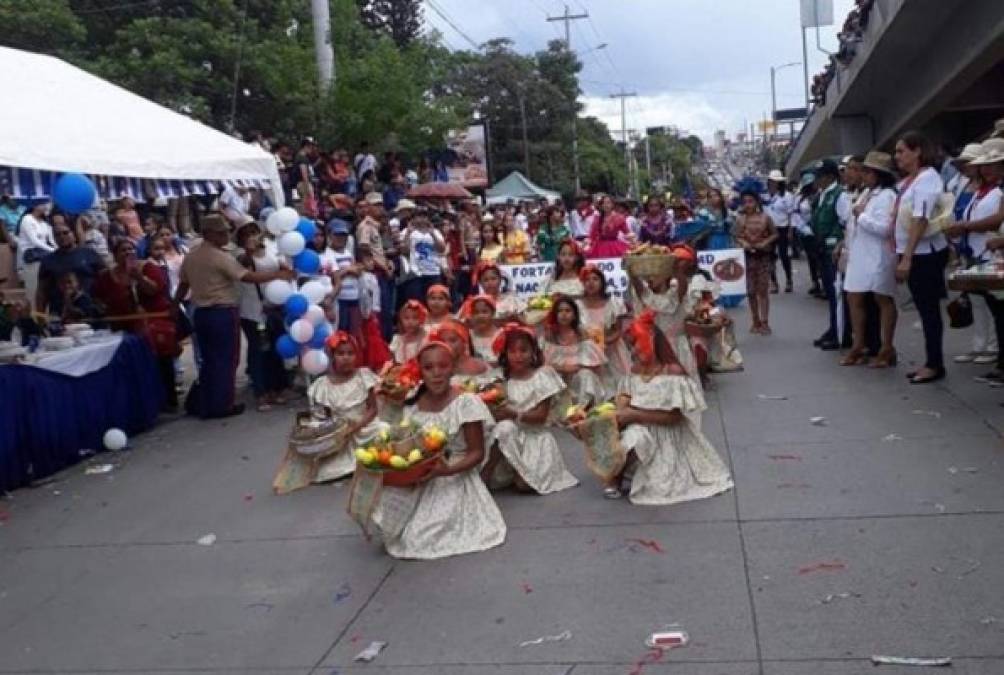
{"type": "Point", "coordinates": [212, 275]}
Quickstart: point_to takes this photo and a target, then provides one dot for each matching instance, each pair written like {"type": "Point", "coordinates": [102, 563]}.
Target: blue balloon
{"type": "Point", "coordinates": [286, 347]}
{"type": "Point", "coordinates": [307, 262]}
{"type": "Point", "coordinates": [296, 305]}
{"type": "Point", "coordinates": [74, 192]}
{"type": "Point", "coordinates": [321, 333]}
{"type": "Point", "coordinates": [307, 228]}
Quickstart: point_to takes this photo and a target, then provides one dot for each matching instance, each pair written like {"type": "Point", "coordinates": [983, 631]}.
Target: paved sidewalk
{"type": "Point", "coordinates": [880, 532]}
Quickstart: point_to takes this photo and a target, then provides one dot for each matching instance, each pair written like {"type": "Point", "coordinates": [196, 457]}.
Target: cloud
{"type": "Point", "coordinates": [692, 113]}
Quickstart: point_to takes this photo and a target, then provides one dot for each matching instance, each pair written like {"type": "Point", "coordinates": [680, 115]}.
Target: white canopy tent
{"type": "Point", "coordinates": [113, 135]}
{"type": "Point", "coordinates": [517, 187]}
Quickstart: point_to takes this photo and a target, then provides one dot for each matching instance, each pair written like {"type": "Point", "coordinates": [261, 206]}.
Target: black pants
{"type": "Point", "coordinates": [812, 257]}
{"type": "Point", "coordinates": [997, 309]}
{"type": "Point", "coordinates": [165, 366]}
{"type": "Point", "coordinates": [828, 274]}
{"type": "Point", "coordinates": [782, 250]}
{"type": "Point", "coordinates": [927, 286]}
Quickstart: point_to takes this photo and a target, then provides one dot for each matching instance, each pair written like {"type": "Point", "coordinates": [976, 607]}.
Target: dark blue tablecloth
{"type": "Point", "coordinates": [46, 418]}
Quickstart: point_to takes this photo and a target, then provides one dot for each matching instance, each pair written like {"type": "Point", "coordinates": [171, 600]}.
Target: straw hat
{"type": "Point", "coordinates": [879, 161]}
{"type": "Point", "coordinates": [403, 205]}
{"type": "Point", "coordinates": [969, 153]}
{"type": "Point", "coordinates": [991, 152]}
{"type": "Point", "coordinates": [776, 176]}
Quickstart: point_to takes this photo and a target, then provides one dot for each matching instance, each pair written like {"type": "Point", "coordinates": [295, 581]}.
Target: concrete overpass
{"type": "Point", "coordinates": [935, 65]}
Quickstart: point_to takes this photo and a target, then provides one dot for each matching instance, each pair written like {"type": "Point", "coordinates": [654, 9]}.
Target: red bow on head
{"type": "Point", "coordinates": [417, 306]}
{"type": "Point", "coordinates": [642, 331]}
{"type": "Point", "coordinates": [511, 328]}
{"type": "Point", "coordinates": [467, 309]}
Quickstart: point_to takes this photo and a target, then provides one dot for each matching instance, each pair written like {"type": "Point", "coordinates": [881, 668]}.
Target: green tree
{"type": "Point", "coordinates": [46, 26]}
{"type": "Point", "coordinates": [401, 20]}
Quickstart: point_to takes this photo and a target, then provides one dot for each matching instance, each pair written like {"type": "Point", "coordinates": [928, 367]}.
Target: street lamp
{"type": "Point", "coordinates": [773, 90]}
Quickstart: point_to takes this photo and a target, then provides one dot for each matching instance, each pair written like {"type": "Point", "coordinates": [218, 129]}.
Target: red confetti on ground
{"type": "Point", "coordinates": [248, 497]}
{"type": "Point", "coordinates": [650, 544]}
{"type": "Point", "coordinates": [527, 588]}
{"type": "Point", "coordinates": [777, 458]}
{"type": "Point", "coordinates": [653, 656]}
{"type": "Point", "coordinates": [822, 567]}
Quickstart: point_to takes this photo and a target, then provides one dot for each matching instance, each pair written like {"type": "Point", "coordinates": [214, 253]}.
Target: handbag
{"type": "Point", "coordinates": [960, 312]}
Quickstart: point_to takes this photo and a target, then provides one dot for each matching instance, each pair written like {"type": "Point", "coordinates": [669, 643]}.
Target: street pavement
{"type": "Point", "coordinates": [880, 531]}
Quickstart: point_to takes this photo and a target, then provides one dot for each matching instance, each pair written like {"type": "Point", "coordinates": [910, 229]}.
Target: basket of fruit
{"type": "Point", "coordinates": [597, 429]}
{"type": "Point", "coordinates": [649, 261]}
{"type": "Point", "coordinates": [537, 309]}
{"type": "Point", "coordinates": [404, 462]}
{"type": "Point", "coordinates": [493, 395]}
{"type": "Point", "coordinates": [397, 381]}
{"type": "Point", "coordinates": [317, 435]}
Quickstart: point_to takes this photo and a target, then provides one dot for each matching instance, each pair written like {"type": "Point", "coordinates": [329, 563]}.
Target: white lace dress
{"type": "Point", "coordinates": [508, 306]}
{"type": "Point", "coordinates": [676, 463]}
{"type": "Point", "coordinates": [597, 322]}
{"type": "Point", "coordinates": [453, 514]}
{"type": "Point", "coordinates": [571, 288]}
{"type": "Point", "coordinates": [585, 385]}
{"type": "Point", "coordinates": [403, 349]}
{"type": "Point", "coordinates": [346, 400]}
{"type": "Point", "coordinates": [530, 450]}
{"type": "Point", "coordinates": [483, 348]}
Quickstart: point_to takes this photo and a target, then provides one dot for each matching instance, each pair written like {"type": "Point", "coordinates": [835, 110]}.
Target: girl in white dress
{"type": "Point", "coordinates": [489, 278]}
{"type": "Point", "coordinates": [523, 452]}
{"type": "Point", "coordinates": [573, 355]}
{"type": "Point", "coordinates": [565, 278]}
{"type": "Point", "coordinates": [349, 392]}
{"type": "Point", "coordinates": [467, 368]}
{"type": "Point", "coordinates": [871, 261]}
{"type": "Point", "coordinates": [453, 513]}
{"type": "Point", "coordinates": [411, 331]}
{"type": "Point", "coordinates": [479, 311]}
{"type": "Point", "coordinates": [438, 302]}
{"type": "Point", "coordinates": [602, 317]}
{"type": "Point", "coordinates": [669, 459]}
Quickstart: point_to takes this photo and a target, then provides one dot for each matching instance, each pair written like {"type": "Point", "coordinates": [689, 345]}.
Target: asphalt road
{"type": "Point", "coordinates": [880, 532]}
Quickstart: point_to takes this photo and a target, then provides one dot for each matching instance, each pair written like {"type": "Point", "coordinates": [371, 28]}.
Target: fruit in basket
{"type": "Point", "coordinates": [398, 462]}
{"type": "Point", "coordinates": [415, 456]}
{"type": "Point", "coordinates": [364, 456]}
{"type": "Point", "coordinates": [575, 414]}
{"type": "Point", "coordinates": [384, 456]}
{"type": "Point", "coordinates": [540, 302]}
{"type": "Point", "coordinates": [433, 439]}
{"type": "Point", "coordinates": [493, 395]}
{"type": "Point", "coordinates": [607, 408]}
{"type": "Point", "coordinates": [470, 386]}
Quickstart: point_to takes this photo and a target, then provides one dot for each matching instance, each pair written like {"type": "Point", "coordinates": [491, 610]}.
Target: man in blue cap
{"type": "Point", "coordinates": [348, 273]}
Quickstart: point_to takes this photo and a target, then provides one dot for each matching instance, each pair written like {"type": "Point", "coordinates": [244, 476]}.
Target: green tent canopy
{"type": "Point", "coordinates": [517, 187]}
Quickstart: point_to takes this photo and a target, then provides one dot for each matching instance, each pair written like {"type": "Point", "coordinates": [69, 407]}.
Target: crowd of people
{"type": "Point", "coordinates": [873, 222]}
{"type": "Point", "coordinates": [850, 36]}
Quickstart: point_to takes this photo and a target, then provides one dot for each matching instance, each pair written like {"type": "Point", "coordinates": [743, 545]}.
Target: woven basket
{"type": "Point", "coordinates": [535, 317]}
{"type": "Point", "coordinates": [649, 266]}
{"type": "Point", "coordinates": [320, 441]}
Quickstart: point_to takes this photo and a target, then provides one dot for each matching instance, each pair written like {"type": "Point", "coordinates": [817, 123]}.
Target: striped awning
{"type": "Point", "coordinates": [35, 184]}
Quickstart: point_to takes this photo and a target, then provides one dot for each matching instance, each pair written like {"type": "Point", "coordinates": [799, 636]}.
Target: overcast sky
{"type": "Point", "coordinates": [701, 65]}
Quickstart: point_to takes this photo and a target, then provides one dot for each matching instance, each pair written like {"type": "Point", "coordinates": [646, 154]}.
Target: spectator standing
{"type": "Point", "coordinates": [126, 222]}
{"type": "Point", "coordinates": [89, 235]}
{"type": "Point", "coordinates": [365, 163]}
{"type": "Point", "coordinates": [424, 246]}
{"type": "Point", "coordinates": [348, 272]}
{"type": "Point", "coordinates": [656, 225]}
{"type": "Point", "coordinates": [34, 242]}
{"type": "Point", "coordinates": [584, 217]}
{"type": "Point", "coordinates": [829, 222]}
{"type": "Point", "coordinates": [605, 238]}
{"type": "Point", "coordinates": [212, 275]}
{"type": "Point", "coordinates": [551, 233]}
{"type": "Point", "coordinates": [68, 257]}
{"type": "Point", "coordinates": [395, 192]}
{"type": "Point", "coordinates": [10, 214]}
{"type": "Point", "coordinates": [516, 243]}
{"type": "Point", "coordinates": [305, 175]}
{"type": "Point", "coordinates": [922, 255]}
{"type": "Point", "coordinates": [235, 202]}
{"type": "Point", "coordinates": [779, 206]}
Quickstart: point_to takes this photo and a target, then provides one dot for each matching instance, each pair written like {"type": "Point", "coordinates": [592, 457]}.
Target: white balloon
{"type": "Point", "coordinates": [301, 331]}
{"type": "Point", "coordinates": [278, 291]}
{"type": "Point", "coordinates": [272, 223]}
{"type": "Point", "coordinates": [286, 219]}
{"type": "Point", "coordinates": [314, 291]}
{"type": "Point", "coordinates": [314, 362]}
{"type": "Point", "coordinates": [115, 439]}
{"type": "Point", "coordinates": [291, 244]}
{"type": "Point", "coordinates": [314, 314]}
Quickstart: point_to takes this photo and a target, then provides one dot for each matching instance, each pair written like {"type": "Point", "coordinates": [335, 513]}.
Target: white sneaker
{"type": "Point", "coordinates": [984, 359]}
{"type": "Point", "coordinates": [965, 358]}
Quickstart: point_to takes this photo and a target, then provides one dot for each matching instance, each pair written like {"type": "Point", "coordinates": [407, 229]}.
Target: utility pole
{"type": "Point", "coordinates": [323, 51]}
{"type": "Point", "coordinates": [648, 157]}
{"type": "Point", "coordinates": [526, 143]}
{"type": "Point", "coordinates": [567, 18]}
{"type": "Point", "coordinates": [623, 96]}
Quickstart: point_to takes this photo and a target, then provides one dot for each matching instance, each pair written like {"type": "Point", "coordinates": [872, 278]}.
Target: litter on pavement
{"type": "Point", "coordinates": [560, 637]}
{"type": "Point", "coordinates": [667, 639]}
{"type": "Point", "coordinates": [910, 661]}
{"type": "Point", "coordinates": [891, 437]}
{"type": "Point", "coordinates": [833, 597]}
{"type": "Point", "coordinates": [370, 652]}
{"type": "Point", "coordinates": [834, 566]}
{"type": "Point", "coordinates": [930, 413]}
{"type": "Point", "coordinates": [97, 469]}
{"type": "Point", "coordinates": [206, 540]}
{"type": "Point", "coordinates": [818, 421]}
{"type": "Point", "coordinates": [343, 593]}
{"type": "Point", "coordinates": [768, 397]}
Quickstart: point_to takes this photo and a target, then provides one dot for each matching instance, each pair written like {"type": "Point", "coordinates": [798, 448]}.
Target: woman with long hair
{"type": "Point", "coordinates": [569, 351]}
{"type": "Point", "coordinates": [923, 255]}
{"type": "Point", "coordinates": [756, 234]}
{"type": "Point", "coordinates": [605, 237]}
{"type": "Point", "coordinates": [551, 232]}
{"type": "Point", "coordinates": [564, 278]}
{"type": "Point", "coordinates": [656, 223]}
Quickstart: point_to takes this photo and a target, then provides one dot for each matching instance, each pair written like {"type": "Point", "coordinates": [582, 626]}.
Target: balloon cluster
{"type": "Point", "coordinates": [306, 326]}
{"type": "Point", "coordinates": [292, 232]}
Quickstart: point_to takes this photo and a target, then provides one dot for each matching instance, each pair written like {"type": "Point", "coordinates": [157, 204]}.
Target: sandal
{"type": "Point", "coordinates": [611, 492]}
{"type": "Point", "coordinates": [883, 359]}
{"type": "Point", "coordinates": [855, 358]}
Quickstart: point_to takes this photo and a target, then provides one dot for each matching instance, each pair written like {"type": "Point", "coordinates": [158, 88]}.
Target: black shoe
{"type": "Point", "coordinates": [238, 409]}
{"type": "Point", "coordinates": [829, 345]}
{"type": "Point", "coordinates": [938, 375]}
{"type": "Point", "coordinates": [825, 337]}
{"type": "Point", "coordinates": [815, 291]}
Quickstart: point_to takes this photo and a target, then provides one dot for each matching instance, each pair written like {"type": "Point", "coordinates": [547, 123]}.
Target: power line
{"type": "Point", "coordinates": [442, 14]}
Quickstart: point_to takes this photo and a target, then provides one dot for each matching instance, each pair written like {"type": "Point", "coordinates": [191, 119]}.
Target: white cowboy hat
{"type": "Point", "coordinates": [404, 204]}
{"type": "Point", "coordinates": [991, 152]}
{"type": "Point", "coordinates": [776, 176]}
{"type": "Point", "coordinates": [969, 153]}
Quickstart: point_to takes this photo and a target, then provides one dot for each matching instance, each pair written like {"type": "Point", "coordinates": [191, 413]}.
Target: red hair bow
{"type": "Point", "coordinates": [511, 328]}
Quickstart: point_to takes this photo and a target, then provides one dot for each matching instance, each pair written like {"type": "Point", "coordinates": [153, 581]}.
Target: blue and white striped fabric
{"type": "Point", "coordinates": [35, 184]}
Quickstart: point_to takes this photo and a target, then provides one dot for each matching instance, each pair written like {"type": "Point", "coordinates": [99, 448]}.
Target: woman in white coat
{"type": "Point", "coordinates": [871, 261]}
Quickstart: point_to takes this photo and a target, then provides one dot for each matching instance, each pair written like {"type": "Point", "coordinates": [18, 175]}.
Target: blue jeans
{"type": "Point", "coordinates": [828, 274]}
